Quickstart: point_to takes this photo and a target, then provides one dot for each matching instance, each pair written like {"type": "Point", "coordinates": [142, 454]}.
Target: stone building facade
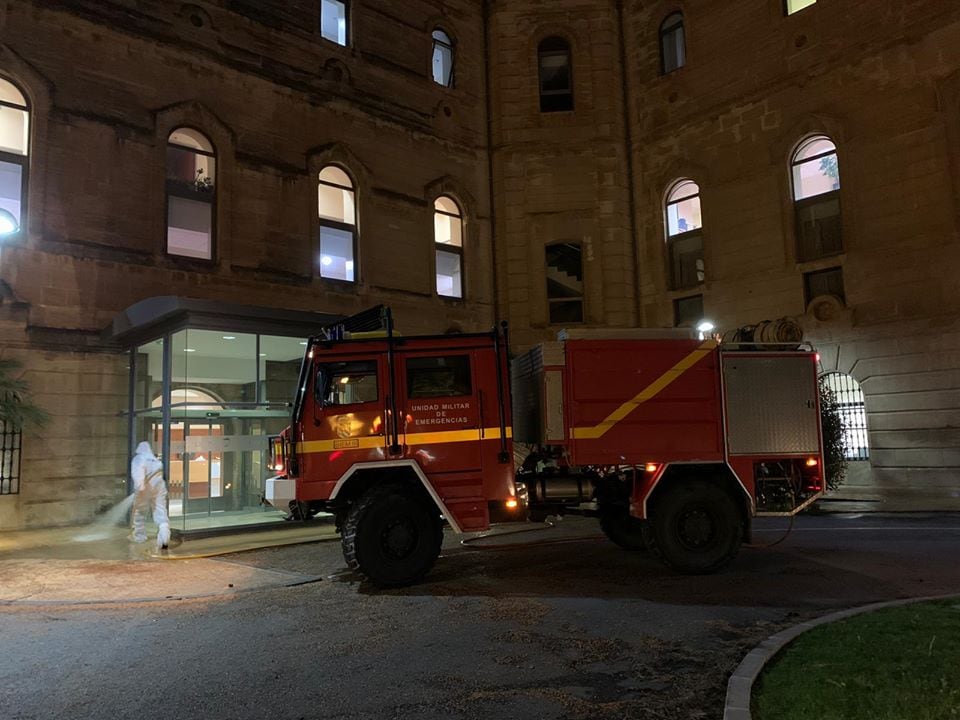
{"type": "Point", "coordinates": [613, 162]}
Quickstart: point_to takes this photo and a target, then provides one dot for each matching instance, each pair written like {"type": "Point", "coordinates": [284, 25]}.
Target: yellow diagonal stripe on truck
{"type": "Point", "coordinates": [649, 392]}
{"type": "Point", "coordinates": [378, 441]}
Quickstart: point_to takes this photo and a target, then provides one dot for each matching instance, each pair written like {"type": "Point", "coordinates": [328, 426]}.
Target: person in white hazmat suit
{"type": "Point", "coordinates": [149, 487]}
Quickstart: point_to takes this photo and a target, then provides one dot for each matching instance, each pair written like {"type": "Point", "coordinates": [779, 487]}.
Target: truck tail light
{"type": "Point", "coordinates": [812, 462]}
{"type": "Point", "coordinates": [512, 504]}
{"type": "Point", "coordinates": [277, 460]}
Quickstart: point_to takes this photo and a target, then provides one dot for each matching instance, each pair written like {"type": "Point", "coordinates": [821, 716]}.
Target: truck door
{"type": "Point", "coordinates": [344, 423]}
{"type": "Point", "coordinates": [440, 409]}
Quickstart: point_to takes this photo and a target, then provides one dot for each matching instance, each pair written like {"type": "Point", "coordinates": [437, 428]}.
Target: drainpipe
{"type": "Point", "coordinates": [628, 141]}
{"type": "Point", "coordinates": [490, 184]}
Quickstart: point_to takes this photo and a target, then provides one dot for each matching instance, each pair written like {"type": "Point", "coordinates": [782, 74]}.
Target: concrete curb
{"type": "Point", "coordinates": [740, 685]}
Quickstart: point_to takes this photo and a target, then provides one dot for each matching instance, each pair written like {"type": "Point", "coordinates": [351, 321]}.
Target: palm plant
{"type": "Point", "coordinates": [17, 409]}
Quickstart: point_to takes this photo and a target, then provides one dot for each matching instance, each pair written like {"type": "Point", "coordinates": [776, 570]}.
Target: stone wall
{"type": "Point", "coordinates": [108, 81]}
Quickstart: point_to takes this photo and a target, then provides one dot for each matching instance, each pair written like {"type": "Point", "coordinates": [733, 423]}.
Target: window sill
{"type": "Point", "coordinates": [681, 293]}
{"type": "Point", "coordinates": [339, 285]}
{"type": "Point", "coordinates": [821, 263]}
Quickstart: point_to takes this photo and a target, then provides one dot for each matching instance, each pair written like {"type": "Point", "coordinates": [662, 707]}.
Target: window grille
{"type": "Point", "coordinates": [853, 415]}
{"type": "Point", "coordinates": [11, 440]}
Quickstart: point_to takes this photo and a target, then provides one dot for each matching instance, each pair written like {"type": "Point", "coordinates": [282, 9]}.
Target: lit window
{"type": "Point", "coordinates": [684, 235]}
{"type": "Point", "coordinates": [815, 173]}
{"type": "Point", "coordinates": [191, 194]}
{"type": "Point", "coordinates": [688, 311]}
{"type": "Point", "coordinates": [564, 263]}
{"type": "Point", "coordinates": [793, 6]}
{"type": "Point", "coordinates": [556, 81]}
{"type": "Point", "coordinates": [338, 224]}
{"type": "Point", "coordinates": [333, 21]}
{"type": "Point", "coordinates": [448, 238]}
{"type": "Point", "coordinates": [673, 44]}
{"type": "Point", "coordinates": [442, 59]}
{"type": "Point", "coordinates": [14, 149]}
{"type": "Point", "coordinates": [11, 441]}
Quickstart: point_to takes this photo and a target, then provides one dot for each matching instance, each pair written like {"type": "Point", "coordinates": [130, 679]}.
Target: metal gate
{"type": "Point", "coordinates": [853, 414]}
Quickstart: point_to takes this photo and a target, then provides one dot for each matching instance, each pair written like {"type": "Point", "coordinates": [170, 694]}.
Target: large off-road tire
{"type": "Point", "coordinates": [695, 527]}
{"type": "Point", "coordinates": [621, 527]}
{"type": "Point", "coordinates": [391, 536]}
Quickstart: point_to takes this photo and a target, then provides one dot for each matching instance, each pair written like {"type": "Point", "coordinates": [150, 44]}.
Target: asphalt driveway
{"type": "Point", "coordinates": [569, 626]}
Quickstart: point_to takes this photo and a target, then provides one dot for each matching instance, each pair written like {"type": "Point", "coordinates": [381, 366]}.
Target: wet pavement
{"type": "Point", "coordinates": [569, 626]}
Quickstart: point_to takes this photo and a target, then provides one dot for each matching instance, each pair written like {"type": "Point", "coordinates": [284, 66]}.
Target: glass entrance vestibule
{"type": "Point", "coordinates": [206, 399]}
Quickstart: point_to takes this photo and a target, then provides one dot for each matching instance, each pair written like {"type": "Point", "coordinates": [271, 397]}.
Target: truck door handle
{"type": "Point", "coordinates": [480, 411]}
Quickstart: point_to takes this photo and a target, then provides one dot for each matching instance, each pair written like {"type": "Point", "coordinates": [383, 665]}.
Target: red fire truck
{"type": "Point", "coordinates": [673, 442]}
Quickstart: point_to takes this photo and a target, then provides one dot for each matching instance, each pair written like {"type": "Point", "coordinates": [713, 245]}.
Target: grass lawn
{"type": "Point", "coordinates": [897, 664]}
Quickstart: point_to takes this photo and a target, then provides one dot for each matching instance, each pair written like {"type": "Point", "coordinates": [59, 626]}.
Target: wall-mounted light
{"type": "Point", "coordinates": [705, 328]}
{"type": "Point", "coordinates": [8, 223]}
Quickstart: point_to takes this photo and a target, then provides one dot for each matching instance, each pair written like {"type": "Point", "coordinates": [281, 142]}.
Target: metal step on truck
{"type": "Point", "coordinates": [675, 443]}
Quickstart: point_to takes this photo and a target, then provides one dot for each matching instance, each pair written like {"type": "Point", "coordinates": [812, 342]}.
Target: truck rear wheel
{"type": "Point", "coordinates": [622, 528]}
{"type": "Point", "coordinates": [695, 527]}
{"type": "Point", "coordinates": [391, 536]}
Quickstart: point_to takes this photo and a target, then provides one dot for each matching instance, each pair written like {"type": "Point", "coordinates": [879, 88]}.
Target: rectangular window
{"type": "Point", "coordinates": [14, 130]}
{"type": "Point", "coordinates": [11, 190]}
{"type": "Point", "coordinates": [556, 87]}
{"type": "Point", "coordinates": [336, 253]}
{"type": "Point", "coordinates": [347, 383]}
{"type": "Point", "coordinates": [449, 274]}
{"type": "Point", "coordinates": [818, 227]}
{"type": "Point", "coordinates": [436, 377]}
{"type": "Point", "coordinates": [333, 21]}
{"type": "Point", "coordinates": [564, 263]}
{"type": "Point", "coordinates": [686, 260]}
{"type": "Point", "coordinates": [798, 5]}
{"type": "Point", "coordinates": [688, 311]}
{"type": "Point", "coordinates": [189, 228]}
{"type": "Point", "coordinates": [10, 442]}
{"type": "Point", "coordinates": [823, 282]}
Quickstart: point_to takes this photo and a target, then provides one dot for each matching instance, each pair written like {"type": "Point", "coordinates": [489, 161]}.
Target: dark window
{"type": "Point", "coordinates": [684, 224]}
{"type": "Point", "coordinates": [348, 383]}
{"type": "Point", "coordinates": [815, 173]}
{"type": "Point", "coordinates": [823, 282]}
{"type": "Point", "coordinates": [688, 311]}
{"type": "Point", "coordinates": [673, 44]}
{"type": "Point", "coordinates": [556, 79]}
{"type": "Point", "coordinates": [335, 21]}
{"type": "Point", "coordinates": [14, 160]}
{"type": "Point", "coordinates": [191, 194]}
{"type": "Point", "coordinates": [442, 58]}
{"type": "Point", "coordinates": [565, 282]}
{"type": "Point", "coordinates": [10, 442]}
{"type": "Point", "coordinates": [336, 203]}
{"type": "Point", "coordinates": [435, 377]}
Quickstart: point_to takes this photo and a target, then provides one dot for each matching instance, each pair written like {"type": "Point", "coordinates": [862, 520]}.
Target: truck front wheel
{"type": "Point", "coordinates": [391, 536]}
{"type": "Point", "coordinates": [695, 527]}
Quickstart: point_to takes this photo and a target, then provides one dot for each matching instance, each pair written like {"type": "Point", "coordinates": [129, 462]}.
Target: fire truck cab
{"type": "Point", "coordinates": [673, 442]}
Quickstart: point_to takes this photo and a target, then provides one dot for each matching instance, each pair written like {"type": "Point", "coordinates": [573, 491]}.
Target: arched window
{"type": "Point", "coordinates": [853, 414]}
{"type": "Point", "coordinates": [556, 76]}
{"type": "Point", "coordinates": [816, 196]}
{"type": "Point", "coordinates": [684, 235]}
{"type": "Point", "coordinates": [14, 151]}
{"type": "Point", "coordinates": [673, 44]}
{"type": "Point", "coordinates": [448, 238]}
{"type": "Point", "coordinates": [191, 194]}
{"type": "Point", "coordinates": [442, 58]}
{"type": "Point", "coordinates": [338, 224]}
